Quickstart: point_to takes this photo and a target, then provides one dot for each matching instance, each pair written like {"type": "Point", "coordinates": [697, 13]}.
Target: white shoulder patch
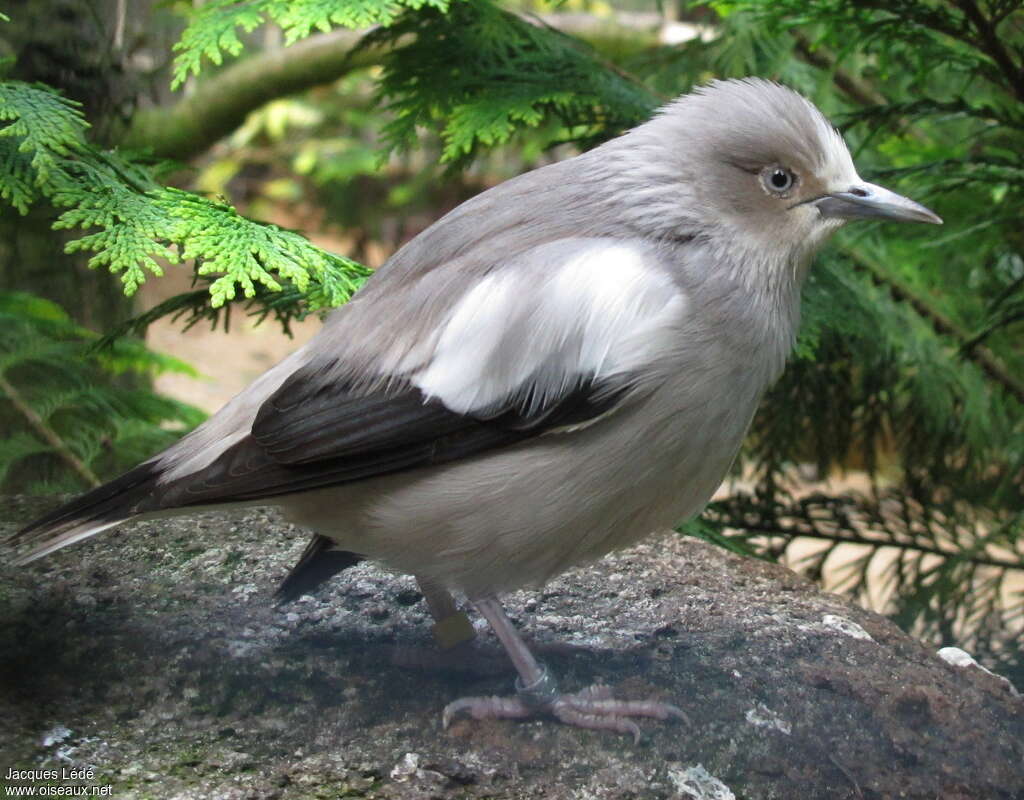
{"type": "Point", "coordinates": [566, 310]}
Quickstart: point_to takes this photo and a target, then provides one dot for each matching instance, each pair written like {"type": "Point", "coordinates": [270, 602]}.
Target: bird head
{"type": "Point", "coordinates": [754, 164]}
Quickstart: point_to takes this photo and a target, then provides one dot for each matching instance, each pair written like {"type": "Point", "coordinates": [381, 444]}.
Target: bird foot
{"type": "Point", "coordinates": [593, 708]}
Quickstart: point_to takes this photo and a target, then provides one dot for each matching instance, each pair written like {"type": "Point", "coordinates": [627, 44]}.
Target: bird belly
{"type": "Point", "coordinates": [519, 516]}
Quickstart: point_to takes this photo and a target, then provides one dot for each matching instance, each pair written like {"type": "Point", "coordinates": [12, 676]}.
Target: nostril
{"type": "Point", "coordinates": [856, 192]}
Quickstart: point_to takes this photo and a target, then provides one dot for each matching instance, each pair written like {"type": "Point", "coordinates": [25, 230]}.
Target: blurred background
{"type": "Point", "coordinates": [888, 462]}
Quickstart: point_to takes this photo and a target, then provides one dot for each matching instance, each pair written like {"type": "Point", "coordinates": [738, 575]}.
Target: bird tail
{"type": "Point", "coordinates": [121, 499]}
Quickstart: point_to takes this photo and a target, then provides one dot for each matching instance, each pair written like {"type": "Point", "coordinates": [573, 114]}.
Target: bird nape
{"type": "Point", "coordinates": [558, 367]}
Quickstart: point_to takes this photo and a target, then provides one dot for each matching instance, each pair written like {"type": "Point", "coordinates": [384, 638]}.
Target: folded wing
{"type": "Point", "coordinates": [555, 339]}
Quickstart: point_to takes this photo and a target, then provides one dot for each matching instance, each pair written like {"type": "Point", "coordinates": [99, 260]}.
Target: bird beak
{"type": "Point", "coordinates": [868, 201]}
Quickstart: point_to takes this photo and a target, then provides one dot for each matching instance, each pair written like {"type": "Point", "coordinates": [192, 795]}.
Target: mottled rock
{"type": "Point", "coordinates": [153, 657]}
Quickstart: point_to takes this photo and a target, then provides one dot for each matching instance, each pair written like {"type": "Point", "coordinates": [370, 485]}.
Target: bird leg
{"type": "Point", "coordinates": [451, 626]}
{"type": "Point", "coordinates": [537, 691]}
{"type": "Point", "coordinates": [455, 637]}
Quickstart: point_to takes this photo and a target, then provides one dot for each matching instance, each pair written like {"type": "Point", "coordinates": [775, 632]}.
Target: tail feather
{"type": "Point", "coordinates": [54, 540]}
{"type": "Point", "coordinates": [128, 496]}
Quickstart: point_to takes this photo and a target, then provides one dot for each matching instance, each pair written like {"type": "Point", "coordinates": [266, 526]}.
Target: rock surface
{"type": "Point", "coordinates": [153, 657]}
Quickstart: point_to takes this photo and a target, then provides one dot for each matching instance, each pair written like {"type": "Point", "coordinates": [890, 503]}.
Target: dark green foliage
{"type": "Point", "coordinates": [77, 413]}
{"type": "Point", "coordinates": [480, 72]}
{"type": "Point", "coordinates": [213, 28]}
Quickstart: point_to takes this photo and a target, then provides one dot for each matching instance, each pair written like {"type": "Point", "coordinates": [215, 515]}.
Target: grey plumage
{"type": "Point", "coordinates": [556, 368]}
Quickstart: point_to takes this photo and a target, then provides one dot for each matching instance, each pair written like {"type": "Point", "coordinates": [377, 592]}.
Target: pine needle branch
{"type": "Point", "coordinates": [799, 523]}
{"type": "Point", "coordinates": [943, 569]}
{"type": "Point", "coordinates": [73, 417]}
{"type": "Point", "coordinates": [989, 42]}
{"type": "Point", "coordinates": [221, 102]}
{"type": "Point", "coordinates": [857, 89]}
{"type": "Point", "coordinates": [942, 324]}
{"type": "Point", "coordinates": [49, 435]}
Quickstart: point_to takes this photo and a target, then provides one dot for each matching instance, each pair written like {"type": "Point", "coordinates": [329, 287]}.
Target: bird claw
{"type": "Point", "coordinates": [593, 708]}
{"type": "Point", "coordinates": [486, 708]}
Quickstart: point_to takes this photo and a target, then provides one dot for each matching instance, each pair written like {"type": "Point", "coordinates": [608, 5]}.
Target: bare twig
{"type": "Point", "coordinates": [1001, 322]}
{"type": "Point", "coordinates": [119, 24]}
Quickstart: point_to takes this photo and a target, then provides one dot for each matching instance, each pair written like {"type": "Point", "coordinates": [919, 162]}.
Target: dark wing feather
{"type": "Point", "coordinates": [335, 423]}
{"type": "Point", "coordinates": [336, 436]}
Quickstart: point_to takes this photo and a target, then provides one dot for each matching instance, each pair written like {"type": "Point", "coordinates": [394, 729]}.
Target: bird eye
{"type": "Point", "coordinates": [778, 180]}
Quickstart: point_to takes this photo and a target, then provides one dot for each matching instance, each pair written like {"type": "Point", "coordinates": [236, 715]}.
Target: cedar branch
{"type": "Point", "coordinates": [221, 103]}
